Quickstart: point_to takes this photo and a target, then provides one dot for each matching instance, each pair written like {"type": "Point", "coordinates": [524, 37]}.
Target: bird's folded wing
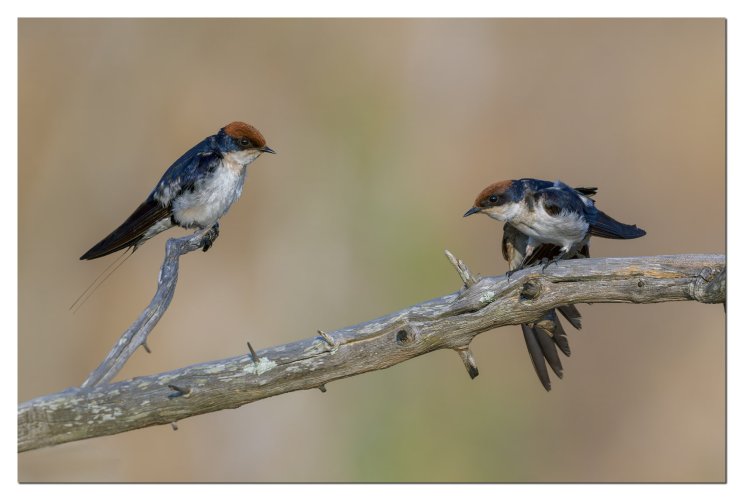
{"type": "Point", "coordinates": [131, 231]}
{"type": "Point", "coordinates": [605, 227]}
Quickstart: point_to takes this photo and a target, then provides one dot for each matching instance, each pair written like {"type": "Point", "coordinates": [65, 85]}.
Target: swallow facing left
{"type": "Point", "coordinates": [545, 336]}
{"type": "Point", "coordinates": [547, 221]}
{"type": "Point", "coordinates": [550, 212]}
{"type": "Point", "coordinates": [194, 192]}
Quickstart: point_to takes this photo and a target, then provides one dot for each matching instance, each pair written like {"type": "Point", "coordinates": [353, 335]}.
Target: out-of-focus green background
{"type": "Point", "coordinates": [386, 130]}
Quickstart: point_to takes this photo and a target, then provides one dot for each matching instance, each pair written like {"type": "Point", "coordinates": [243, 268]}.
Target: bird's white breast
{"type": "Point", "coordinates": [564, 229]}
{"type": "Point", "coordinates": [212, 196]}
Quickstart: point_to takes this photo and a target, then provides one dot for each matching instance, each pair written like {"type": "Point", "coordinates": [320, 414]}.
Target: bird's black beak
{"type": "Point", "coordinates": [266, 149]}
{"type": "Point", "coordinates": [471, 211]}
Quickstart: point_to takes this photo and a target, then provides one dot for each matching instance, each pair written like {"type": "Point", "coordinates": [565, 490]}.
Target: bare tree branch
{"type": "Point", "coordinates": [449, 322]}
{"type": "Point", "coordinates": [136, 335]}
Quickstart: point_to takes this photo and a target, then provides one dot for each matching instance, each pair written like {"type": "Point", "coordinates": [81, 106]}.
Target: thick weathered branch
{"type": "Point", "coordinates": [448, 322]}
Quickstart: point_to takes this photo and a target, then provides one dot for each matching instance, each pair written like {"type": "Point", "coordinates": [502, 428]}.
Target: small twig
{"type": "Point", "coordinates": [469, 361]}
{"type": "Point", "coordinates": [462, 270]}
{"type": "Point", "coordinates": [253, 355]}
{"type": "Point", "coordinates": [136, 335]}
{"type": "Point", "coordinates": [327, 339]}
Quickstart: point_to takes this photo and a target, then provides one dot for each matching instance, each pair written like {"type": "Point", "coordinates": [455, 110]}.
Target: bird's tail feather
{"type": "Point", "coordinates": [572, 315]}
{"type": "Point", "coordinates": [561, 338]}
{"type": "Point", "coordinates": [549, 349]}
{"type": "Point", "coordinates": [99, 280]}
{"type": "Point", "coordinates": [536, 355]}
{"type": "Point", "coordinates": [544, 337]}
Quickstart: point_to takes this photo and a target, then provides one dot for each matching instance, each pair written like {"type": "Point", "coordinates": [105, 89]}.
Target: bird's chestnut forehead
{"type": "Point", "coordinates": [497, 188]}
{"type": "Point", "coordinates": [238, 130]}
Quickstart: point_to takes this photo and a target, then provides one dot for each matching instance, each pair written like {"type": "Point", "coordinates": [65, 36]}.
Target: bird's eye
{"type": "Point", "coordinates": [245, 141]}
{"type": "Point", "coordinates": [493, 199]}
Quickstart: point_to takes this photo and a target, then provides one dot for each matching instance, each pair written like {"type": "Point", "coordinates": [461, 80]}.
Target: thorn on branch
{"type": "Point", "coordinates": [322, 388]}
{"type": "Point", "coordinates": [174, 426]}
{"type": "Point", "coordinates": [462, 270]}
{"type": "Point", "coordinates": [328, 339]}
{"type": "Point", "coordinates": [146, 347]}
{"type": "Point", "coordinates": [469, 361]}
{"type": "Point", "coordinates": [253, 355]}
{"type": "Point", "coordinates": [179, 391]}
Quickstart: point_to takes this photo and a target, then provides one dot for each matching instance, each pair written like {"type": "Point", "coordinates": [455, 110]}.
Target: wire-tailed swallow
{"type": "Point", "coordinates": [194, 192]}
{"type": "Point", "coordinates": [550, 212]}
{"type": "Point", "coordinates": [547, 221]}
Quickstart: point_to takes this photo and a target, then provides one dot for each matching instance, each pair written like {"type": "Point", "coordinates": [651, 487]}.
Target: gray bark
{"type": "Point", "coordinates": [136, 335]}
{"type": "Point", "coordinates": [449, 322]}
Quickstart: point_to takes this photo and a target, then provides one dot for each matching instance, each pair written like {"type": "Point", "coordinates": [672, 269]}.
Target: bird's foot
{"type": "Point", "coordinates": [209, 237]}
{"type": "Point", "coordinates": [510, 273]}
{"type": "Point", "coordinates": [546, 265]}
{"type": "Point", "coordinates": [553, 261]}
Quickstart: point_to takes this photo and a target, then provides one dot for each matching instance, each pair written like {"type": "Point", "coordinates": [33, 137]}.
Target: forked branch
{"type": "Point", "coordinates": [449, 322]}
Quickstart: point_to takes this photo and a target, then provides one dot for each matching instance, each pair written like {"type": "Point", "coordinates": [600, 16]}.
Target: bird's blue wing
{"type": "Point", "coordinates": [131, 231]}
{"type": "Point", "coordinates": [601, 224]}
{"type": "Point", "coordinates": [183, 174]}
{"type": "Point", "coordinates": [560, 198]}
{"type": "Point", "coordinates": [605, 227]}
{"type": "Point", "coordinates": [536, 184]}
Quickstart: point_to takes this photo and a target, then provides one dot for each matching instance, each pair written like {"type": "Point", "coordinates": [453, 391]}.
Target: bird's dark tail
{"type": "Point", "coordinates": [572, 315]}
{"type": "Point", "coordinates": [100, 279]}
{"type": "Point", "coordinates": [131, 232]}
{"type": "Point", "coordinates": [536, 355]}
{"type": "Point", "coordinates": [606, 227]}
{"type": "Point", "coordinates": [544, 338]}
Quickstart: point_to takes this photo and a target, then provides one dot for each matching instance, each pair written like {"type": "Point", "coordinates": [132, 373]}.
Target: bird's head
{"type": "Point", "coordinates": [245, 140]}
{"type": "Point", "coordinates": [499, 201]}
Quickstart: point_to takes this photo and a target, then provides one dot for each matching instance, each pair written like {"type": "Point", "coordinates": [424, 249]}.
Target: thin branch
{"type": "Point", "coordinates": [462, 270]}
{"type": "Point", "coordinates": [469, 361]}
{"type": "Point", "coordinates": [136, 335]}
{"type": "Point", "coordinates": [449, 322]}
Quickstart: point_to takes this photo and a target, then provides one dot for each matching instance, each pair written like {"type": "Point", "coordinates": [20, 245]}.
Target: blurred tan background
{"type": "Point", "coordinates": [385, 131]}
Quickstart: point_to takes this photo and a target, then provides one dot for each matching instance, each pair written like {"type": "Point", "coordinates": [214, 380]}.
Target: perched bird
{"type": "Point", "coordinates": [547, 222]}
{"type": "Point", "coordinates": [194, 192]}
{"type": "Point", "coordinates": [550, 212]}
